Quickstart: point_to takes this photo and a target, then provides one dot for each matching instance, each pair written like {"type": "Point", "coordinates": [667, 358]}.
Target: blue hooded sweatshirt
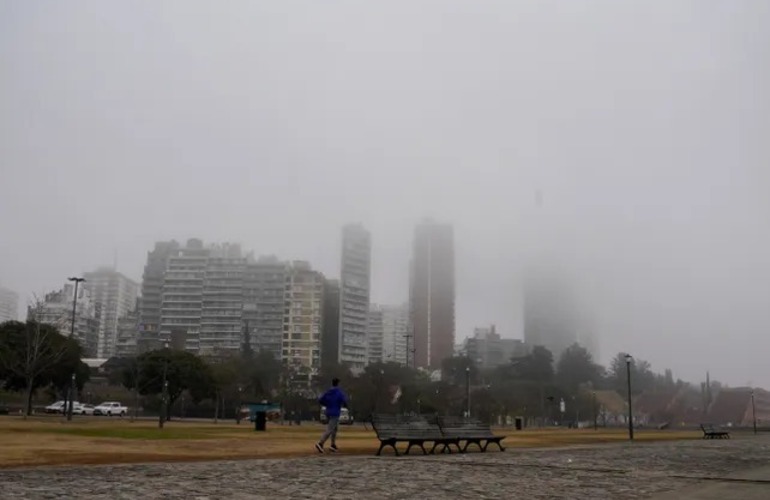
{"type": "Point", "coordinates": [333, 399]}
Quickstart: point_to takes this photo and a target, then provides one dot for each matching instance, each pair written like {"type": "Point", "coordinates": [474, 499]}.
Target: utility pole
{"type": "Point", "coordinates": [73, 387]}
{"type": "Point", "coordinates": [629, 358]}
{"type": "Point", "coordinates": [468, 391]}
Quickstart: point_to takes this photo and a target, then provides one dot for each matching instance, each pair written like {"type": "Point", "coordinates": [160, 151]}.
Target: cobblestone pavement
{"type": "Point", "coordinates": [607, 471]}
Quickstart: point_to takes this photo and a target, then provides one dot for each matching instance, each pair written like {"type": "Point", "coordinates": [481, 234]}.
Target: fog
{"type": "Point", "coordinates": [625, 142]}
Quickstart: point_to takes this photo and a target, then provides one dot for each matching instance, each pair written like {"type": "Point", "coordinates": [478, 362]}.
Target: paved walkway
{"type": "Point", "coordinates": [609, 471]}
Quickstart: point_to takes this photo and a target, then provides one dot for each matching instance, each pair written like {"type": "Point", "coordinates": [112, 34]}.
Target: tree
{"type": "Point", "coordinates": [642, 377]}
{"type": "Point", "coordinates": [183, 371]}
{"type": "Point", "coordinates": [536, 367]}
{"type": "Point", "coordinates": [576, 367]}
{"type": "Point", "coordinates": [454, 370]}
{"type": "Point", "coordinates": [30, 354]}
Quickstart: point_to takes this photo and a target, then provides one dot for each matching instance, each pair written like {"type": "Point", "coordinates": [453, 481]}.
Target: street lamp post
{"type": "Point", "coordinates": [596, 426]}
{"type": "Point", "coordinates": [468, 391]}
{"type": "Point", "coordinates": [753, 411]}
{"type": "Point", "coordinates": [73, 386]}
{"type": "Point", "coordinates": [629, 358]}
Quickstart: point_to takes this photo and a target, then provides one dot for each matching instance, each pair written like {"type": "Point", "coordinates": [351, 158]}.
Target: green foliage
{"type": "Point", "coordinates": [575, 368]}
{"type": "Point", "coordinates": [182, 371]}
{"type": "Point", "coordinates": [35, 355]}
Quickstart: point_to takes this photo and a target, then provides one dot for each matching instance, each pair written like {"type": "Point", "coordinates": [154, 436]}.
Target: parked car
{"type": "Point", "coordinates": [58, 407]}
{"type": "Point", "coordinates": [345, 417]}
{"type": "Point", "coordinates": [55, 407]}
{"type": "Point", "coordinates": [111, 408]}
{"type": "Point", "coordinates": [83, 409]}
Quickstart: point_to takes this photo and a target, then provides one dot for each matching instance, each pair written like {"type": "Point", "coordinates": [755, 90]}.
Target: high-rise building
{"type": "Point", "coordinates": [128, 334]}
{"type": "Point", "coordinates": [395, 329]}
{"type": "Point", "coordinates": [550, 311]}
{"type": "Point", "coordinates": [152, 294]}
{"type": "Point", "coordinates": [9, 305]}
{"type": "Point", "coordinates": [116, 296]}
{"type": "Point", "coordinates": [354, 295]}
{"type": "Point", "coordinates": [56, 310]}
{"type": "Point", "coordinates": [202, 297]}
{"type": "Point", "coordinates": [330, 332]}
{"type": "Point", "coordinates": [303, 318]}
{"type": "Point", "coordinates": [264, 288]}
{"type": "Point", "coordinates": [432, 295]}
{"type": "Point", "coordinates": [221, 323]}
{"type": "Point", "coordinates": [374, 334]}
{"type": "Point", "coordinates": [488, 350]}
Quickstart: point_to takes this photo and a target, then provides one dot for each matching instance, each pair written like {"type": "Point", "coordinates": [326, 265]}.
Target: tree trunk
{"type": "Point", "coordinates": [216, 407]}
{"type": "Point", "coordinates": [135, 413]}
{"type": "Point", "coordinates": [28, 399]}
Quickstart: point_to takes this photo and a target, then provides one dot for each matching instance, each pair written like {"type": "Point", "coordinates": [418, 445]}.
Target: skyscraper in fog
{"type": "Point", "coordinates": [374, 331]}
{"type": "Point", "coordinates": [354, 295]}
{"type": "Point", "coordinates": [395, 328]}
{"type": "Point", "coordinates": [114, 295]}
{"type": "Point", "coordinates": [551, 315]}
{"type": "Point", "coordinates": [432, 294]}
{"type": "Point", "coordinates": [9, 305]}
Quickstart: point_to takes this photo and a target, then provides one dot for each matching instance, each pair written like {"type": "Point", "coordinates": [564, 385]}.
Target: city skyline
{"type": "Point", "coordinates": [625, 141]}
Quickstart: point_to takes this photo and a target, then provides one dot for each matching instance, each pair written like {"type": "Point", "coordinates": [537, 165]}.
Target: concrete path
{"type": "Point", "coordinates": [620, 471]}
{"type": "Point", "coordinates": [747, 485]}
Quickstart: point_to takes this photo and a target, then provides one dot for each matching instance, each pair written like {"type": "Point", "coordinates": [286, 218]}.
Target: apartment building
{"type": "Point", "coordinates": [354, 295]}
{"type": "Point", "coordinates": [303, 317]}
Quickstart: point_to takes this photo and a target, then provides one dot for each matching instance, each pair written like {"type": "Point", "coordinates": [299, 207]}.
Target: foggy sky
{"type": "Point", "coordinates": [644, 124]}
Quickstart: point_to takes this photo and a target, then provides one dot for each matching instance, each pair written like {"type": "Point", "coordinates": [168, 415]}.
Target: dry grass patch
{"type": "Point", "coordinates": [51, 441]}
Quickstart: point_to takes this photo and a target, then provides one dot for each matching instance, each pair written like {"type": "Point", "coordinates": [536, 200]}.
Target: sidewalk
{"type": "Point", "coordinates": [749, 485]}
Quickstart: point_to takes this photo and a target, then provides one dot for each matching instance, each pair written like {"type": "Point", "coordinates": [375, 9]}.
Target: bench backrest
{"type": "Point", "coordinates": [707, 428]}
{"type": "Point", "coordinates": [464, 427]}
{"type": "Point", "coordinates": [404, 427]}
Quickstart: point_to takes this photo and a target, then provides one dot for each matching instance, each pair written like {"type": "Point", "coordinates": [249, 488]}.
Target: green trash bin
{"type": "Point", "coordinates": [519, 422]}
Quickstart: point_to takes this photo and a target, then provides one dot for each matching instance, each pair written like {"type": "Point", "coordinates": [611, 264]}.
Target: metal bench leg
{"type": "Point", "coordinates": [385, 443]}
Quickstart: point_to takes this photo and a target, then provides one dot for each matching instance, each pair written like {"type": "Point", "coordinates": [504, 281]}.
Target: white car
{"type": "Point", "coordinates": [83, 409]}
{"type": "Point", "coordinates": [58, 407]}
{"type": "Point", "coordinates": [111, 408]}
{"type": "Point", "coordinates": [345, 417]}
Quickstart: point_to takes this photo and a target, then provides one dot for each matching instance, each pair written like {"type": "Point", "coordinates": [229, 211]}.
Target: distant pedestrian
{"type": "Point", "coordinates": [334, 400]}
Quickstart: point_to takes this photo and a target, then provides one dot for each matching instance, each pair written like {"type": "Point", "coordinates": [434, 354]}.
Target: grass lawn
{"type": "Point", "coordinates": [86, 440]}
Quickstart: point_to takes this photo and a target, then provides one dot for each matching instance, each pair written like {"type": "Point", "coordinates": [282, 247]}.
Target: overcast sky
{"type": "Point", "coordinates": [645, 126]}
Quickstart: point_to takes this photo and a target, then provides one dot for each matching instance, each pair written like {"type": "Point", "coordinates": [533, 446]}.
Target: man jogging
{"type": "Point", "coordinates": [334, 400]}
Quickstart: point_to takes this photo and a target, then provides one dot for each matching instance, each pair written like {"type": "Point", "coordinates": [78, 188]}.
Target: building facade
{"type": "Point", "coordinates": [395, 332]}
{"type": "Point", "coordinates": [56, 310]}
{"type": "Point", "coordinates": [264, 288]}
{"type": "Point", "coordinates": [303, 318]}
{"type": "Point", "coordinates": [488, 350]}
{"type": "Point", "coordinates": [432, 295]}
{"type": "Point", "coordinates": [354, 295]}
{"type": "Point", "coordinates": [152, 294]}
{"type": "Point", "coordinates": [374, 335]}
{"type": "Point", "coordinates": [330, 332]}
{"type": "Point", "coordinates": [9, 305]}
{"type": "Point", "coordinates": [128, 335]}
{"type": "Point", "coordinates": [116, 296]}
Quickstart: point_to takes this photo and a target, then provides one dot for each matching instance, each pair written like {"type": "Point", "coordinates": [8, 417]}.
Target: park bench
{"type": "Point", "coordinates": [471, 431]}
{"type": "Point", "coordinates": [415, 430]}
{"type": "Point", "coordinates": [710, 432]}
